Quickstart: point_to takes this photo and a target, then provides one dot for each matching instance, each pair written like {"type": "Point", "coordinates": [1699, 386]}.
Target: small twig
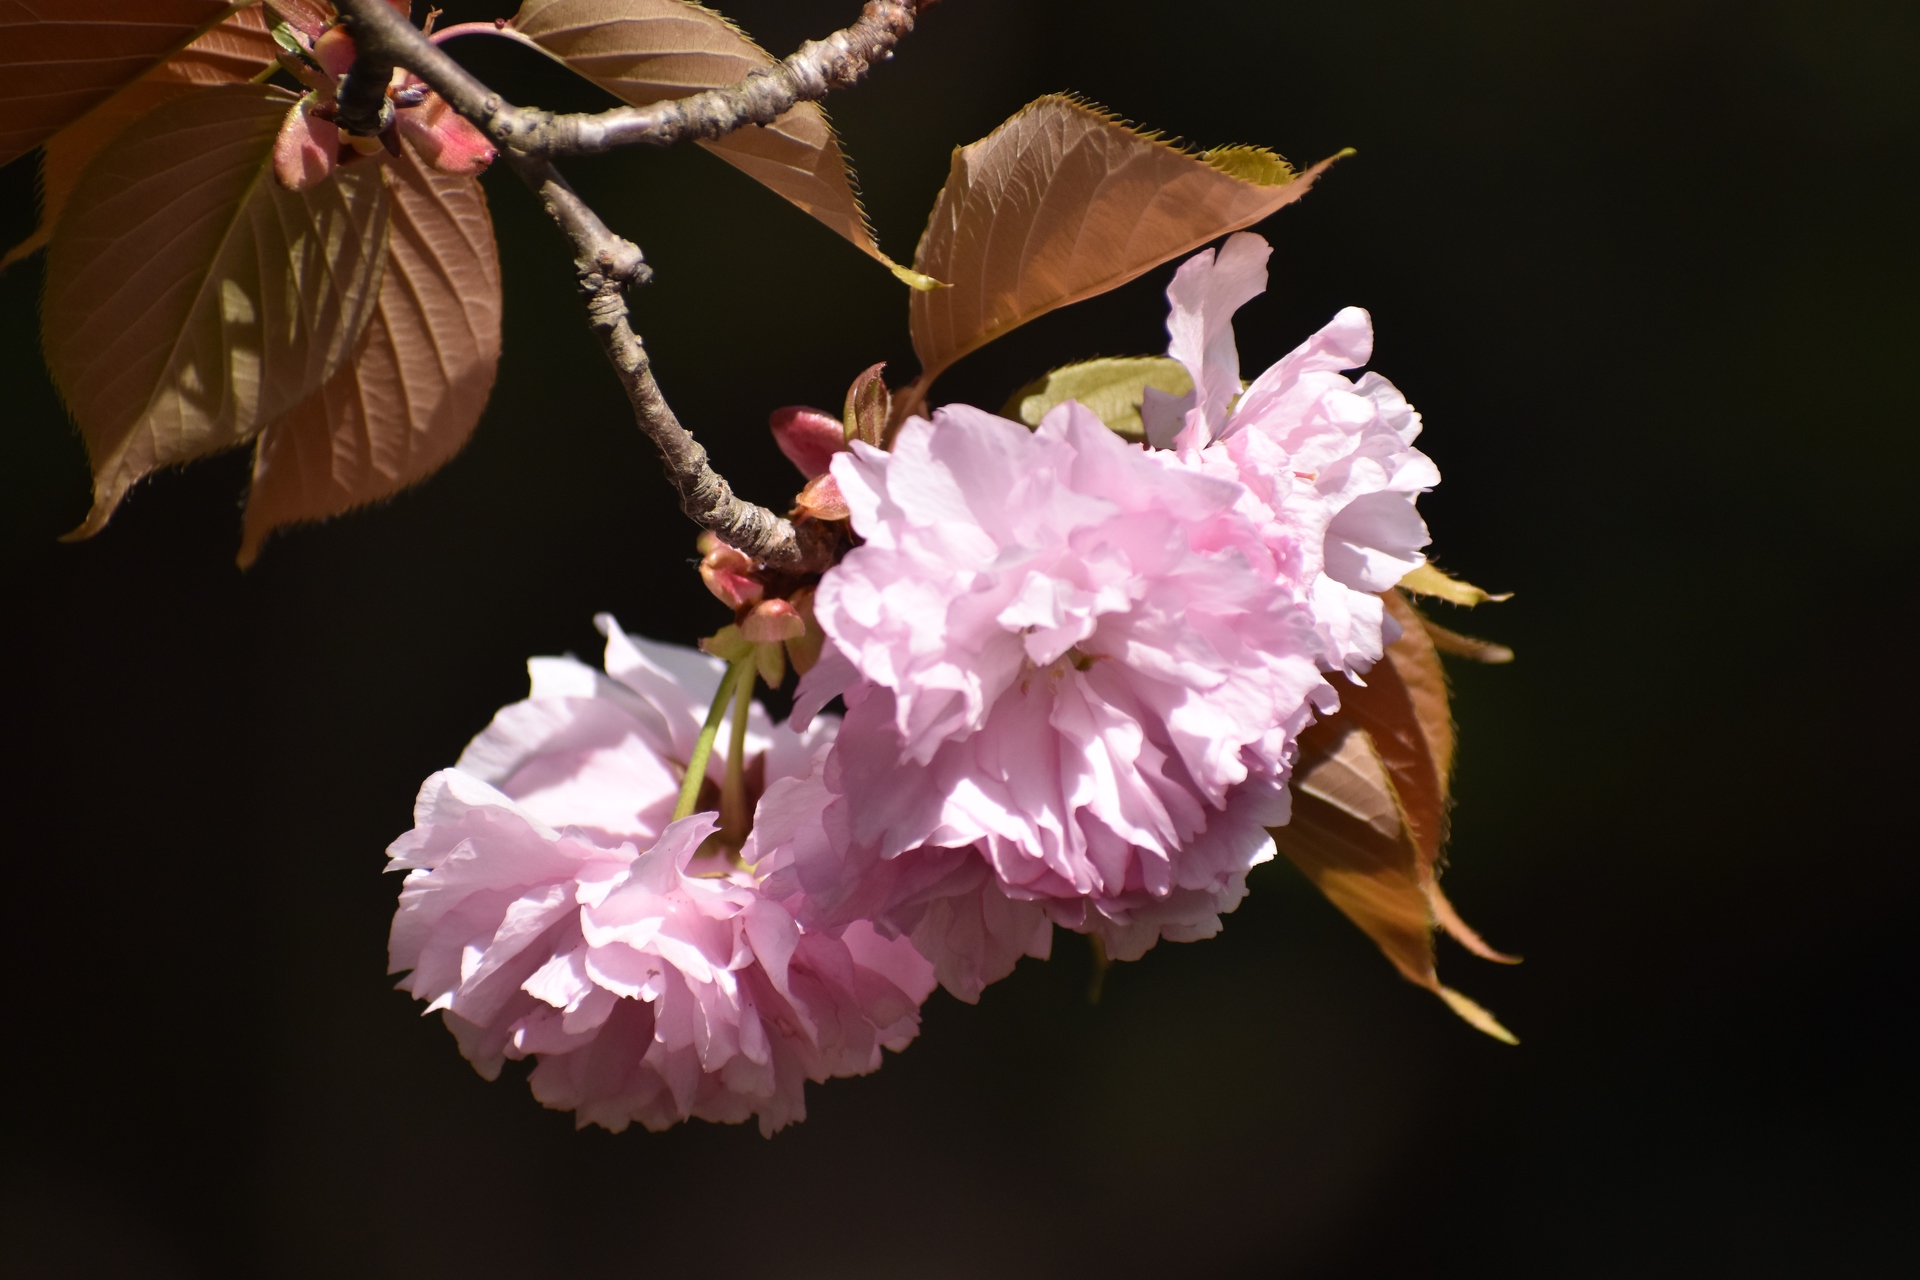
{"type": "Point", "coordinates": [607, 264]}
{"type": "Point", "coordinates": [381, 35]}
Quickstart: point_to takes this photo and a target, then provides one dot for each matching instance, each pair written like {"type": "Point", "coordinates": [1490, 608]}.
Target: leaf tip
{"type": "Point", "coordinates": [1476, 1017]}
{"type": "Point", "coordinates": [26, 248]}
{"type": "Point", "coordinates": [915, 280]}
{"type": "Point", "coordinates": [1427, 580]}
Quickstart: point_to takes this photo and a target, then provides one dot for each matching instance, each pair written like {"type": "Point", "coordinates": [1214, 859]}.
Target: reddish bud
{"type": "Point", "coordinates": [729, 574]}
{"type": "Point", "coordinates": [305, 151]}
{"type": "Point", "coordinates": [444, 138]}
{"type": "Point", "coordinates": [821, 499]}
{"type": "Point", "coordinates": [334, 51]}
{"type": "Point", "coordinates": [772, 621]}
{"type": "Point", "coordinates": [809, 437]}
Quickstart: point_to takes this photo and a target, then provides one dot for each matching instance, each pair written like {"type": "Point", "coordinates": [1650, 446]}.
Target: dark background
{"type": "Point", "coordinates": [1649, 271]}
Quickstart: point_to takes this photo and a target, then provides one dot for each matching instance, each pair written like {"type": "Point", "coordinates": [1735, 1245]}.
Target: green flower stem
{"type": "Point", "coordinates": [733, 791]}
{"type": "Point", "coordinates": [703, 745]}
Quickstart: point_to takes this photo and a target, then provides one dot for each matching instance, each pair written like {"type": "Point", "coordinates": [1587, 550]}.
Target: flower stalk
{"type": "Point", "coordinates": [703, 745]}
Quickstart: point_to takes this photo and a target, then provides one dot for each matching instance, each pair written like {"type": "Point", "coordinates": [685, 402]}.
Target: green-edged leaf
{"type": "Point", "coordinates": [232, 52]}
{"type": "Point", "coordinates": [61, 58]}
{"type": "Point", "coordinates": [1112, 388]}
{"type": "Point", "coordinates": [1370, 794]}
{"type": "Point", "coordinates": [1063, 202]}
{"type": "Point", "coordinates": [646, 51]}
{"type": "Point", "coordinates": [190, 298]}
{"type": "Point", "coordinates": [417, 384]}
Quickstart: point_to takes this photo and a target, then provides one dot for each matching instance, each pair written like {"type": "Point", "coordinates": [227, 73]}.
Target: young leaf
{"type": "Point", "coordinates": [646, 51]}
{"type": "Point", "coordinates": [411, 396]}
{"type": "Point", "coordinates": [59, 60]}
{"type": "Point", "coordinates": [869, 405]}
{"type": "Point", "coordinates": [233, 52]}
{"type": "Point", "coordinates": [1112, 388]}
{"type": "Point", "coordinates": [1063, 202]}
{"type": "Point", "coordinates": [1370, 794]}
{"type": "Point", "coordinates": [190, 298]}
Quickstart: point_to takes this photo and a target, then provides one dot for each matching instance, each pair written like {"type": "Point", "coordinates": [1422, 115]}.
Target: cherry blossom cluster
{"type": "Point", "coordinates": [1073, 672]}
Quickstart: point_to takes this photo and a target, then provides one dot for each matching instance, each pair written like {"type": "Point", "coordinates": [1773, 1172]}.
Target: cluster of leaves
{"type": "Point", "coordinates": [350, 330]}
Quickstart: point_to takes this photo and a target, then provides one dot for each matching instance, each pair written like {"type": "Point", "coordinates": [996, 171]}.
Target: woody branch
{"type": "Point", "coordinates": [606, 263]}
{"type": "Point", "coordinates": [384, 40]}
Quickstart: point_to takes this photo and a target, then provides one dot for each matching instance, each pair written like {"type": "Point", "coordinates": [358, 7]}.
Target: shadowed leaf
{"type": "Point", "coordinates": [1063, 202]}
{"type": "Point", "coordinates": [646, 51]}
{"type": "Point", "coordinates": [190, 298]}
{"type": "Point", "coordinates": [420, 378]}
{"type": "Point", "coordinates": [1112, 388]}
{"type": "Point", "coordinates": [61, 58]}
{"type": "Point", "coordinates": [1371, 790]}
{"type": "Point", "coordinates": [231, 53]}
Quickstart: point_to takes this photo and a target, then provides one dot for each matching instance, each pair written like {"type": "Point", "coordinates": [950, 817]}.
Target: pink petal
{"type": "Point", "coordinates": [1206, 291]}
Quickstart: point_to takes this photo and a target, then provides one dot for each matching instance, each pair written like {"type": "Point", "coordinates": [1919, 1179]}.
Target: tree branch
{"type": "Point", "coordinates": [607, 264]}
{"type": "Point", "coordinates": [383, 37]}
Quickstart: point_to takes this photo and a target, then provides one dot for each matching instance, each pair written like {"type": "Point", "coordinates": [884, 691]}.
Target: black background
{"type": "Point", "coordinates": [1648, 268]}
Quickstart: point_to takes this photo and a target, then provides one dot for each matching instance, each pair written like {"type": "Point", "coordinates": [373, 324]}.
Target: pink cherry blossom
{"type": "Point", "coordinates": [1064, 656]}
{"type": "Point", "coordinates": [1329, 466]}
{"type": "Point", "coordinates": [551, 909]}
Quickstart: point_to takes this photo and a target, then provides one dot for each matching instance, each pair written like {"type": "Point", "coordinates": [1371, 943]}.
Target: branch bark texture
{"type": "Point", "coordinates": [817, 68]}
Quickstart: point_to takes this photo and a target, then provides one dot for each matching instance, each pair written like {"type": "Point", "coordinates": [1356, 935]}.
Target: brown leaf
{"type": "Point", "coordinates": [190, 298]}
{"type": "Point", "coordinates": [1063, 202]}
{"type": "Point", "coordinates": [416, 386]}
{"type": "Point", "coordinates": [1473, 647]}
{"type": "Point", "coordinates": [1370, 794]}
{"type": "Point", "coordinates": [61, 58]}
{"type": "Point", "coordinates": [231, 53]}
{"type": "Point", "coordinates": [646, 51]}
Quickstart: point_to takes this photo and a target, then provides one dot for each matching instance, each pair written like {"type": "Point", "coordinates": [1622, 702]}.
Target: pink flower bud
{"type": "Point", "coordinates": [809, 437]}
{"type": "Point", "coordinates": [772, 621]}
{"type": "Point", "coordinates": [729, 575]}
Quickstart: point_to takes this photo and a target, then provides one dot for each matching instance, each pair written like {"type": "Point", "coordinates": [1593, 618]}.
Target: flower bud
{"type": "Point", "coordinates": [728, 573]}
{"type": "Point", "coordinates": [771, 622]}
{"type": "Point", "coordinates": [821, 499]}
{"type": "Point", "coordinates": [809, 437]}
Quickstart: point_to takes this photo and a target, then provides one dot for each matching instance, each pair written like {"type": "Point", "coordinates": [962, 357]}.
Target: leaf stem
{"type": "Point", "coordinates": [445, 34]}
{"type": "Point", "coordinates": [703, 745]}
